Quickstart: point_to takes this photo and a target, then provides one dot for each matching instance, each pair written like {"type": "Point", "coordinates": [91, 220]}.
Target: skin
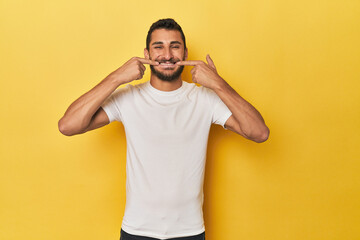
{"type": "Point", "coordinates": [245, 119]}
{"type": "Point", "coordinates": [166, 46]}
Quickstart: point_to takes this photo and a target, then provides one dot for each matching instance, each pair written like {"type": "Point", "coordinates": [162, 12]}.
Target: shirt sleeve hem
{"type": "Point", "coordinates": [224, 119]}
{"type": "Point", "coordinates": [108, 113]}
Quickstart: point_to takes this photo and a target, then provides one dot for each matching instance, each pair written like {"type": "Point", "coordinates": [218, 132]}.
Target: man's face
{"type": "Point", "coordinates": [167, 48]}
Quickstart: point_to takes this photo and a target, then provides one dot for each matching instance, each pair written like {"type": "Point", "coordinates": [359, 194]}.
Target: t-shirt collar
{"type": "Point", "coordinates": [166, 93]}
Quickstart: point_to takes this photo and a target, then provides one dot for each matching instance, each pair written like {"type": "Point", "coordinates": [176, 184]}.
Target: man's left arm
{"type": "Point", "coordinates": [245, 119]}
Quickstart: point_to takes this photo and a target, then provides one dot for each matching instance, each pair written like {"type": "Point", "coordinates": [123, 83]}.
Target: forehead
{"type": "Point", "coordinates": [165, 36]}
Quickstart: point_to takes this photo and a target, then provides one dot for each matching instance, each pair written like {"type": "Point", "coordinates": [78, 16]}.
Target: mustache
{"type": "Point", "coordinates": [171, 60]}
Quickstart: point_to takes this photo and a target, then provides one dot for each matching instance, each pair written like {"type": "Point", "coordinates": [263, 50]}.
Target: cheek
{"type": "Point", "coordinates": [154, 56]}
{"type": "Point", "coordinates": [182, 55]}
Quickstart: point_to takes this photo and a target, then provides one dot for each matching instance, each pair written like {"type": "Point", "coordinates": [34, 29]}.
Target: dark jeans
{"type": "Point", "coordinates": [127, 236]}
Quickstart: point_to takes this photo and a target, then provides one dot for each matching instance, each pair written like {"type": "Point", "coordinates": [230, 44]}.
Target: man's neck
{"type": "Point", "coordinates": [165, 85]}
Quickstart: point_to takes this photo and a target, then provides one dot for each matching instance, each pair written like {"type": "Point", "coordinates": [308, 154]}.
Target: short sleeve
{"type": "Point", "coordinates": [220, 112]}
{"type": "Point", "coordinates": [112, 105]}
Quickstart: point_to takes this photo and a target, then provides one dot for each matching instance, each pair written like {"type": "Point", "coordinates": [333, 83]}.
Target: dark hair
{"type": "Point", "coordinates": [168, 24]}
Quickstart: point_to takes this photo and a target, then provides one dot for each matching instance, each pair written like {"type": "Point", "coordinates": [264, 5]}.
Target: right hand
{"type": "Point", "coordinates": [132, 70]}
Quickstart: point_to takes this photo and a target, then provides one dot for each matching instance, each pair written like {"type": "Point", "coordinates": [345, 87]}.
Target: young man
{"type": "Point", "coordinates": [167, 123]}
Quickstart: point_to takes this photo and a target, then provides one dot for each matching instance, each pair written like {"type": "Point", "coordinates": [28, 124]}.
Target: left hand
{"type": "Point", "coordinates": [202, 73]}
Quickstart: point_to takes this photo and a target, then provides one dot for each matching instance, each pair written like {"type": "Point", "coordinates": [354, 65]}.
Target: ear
{"type": "Point", "coordinates": [146, 54]}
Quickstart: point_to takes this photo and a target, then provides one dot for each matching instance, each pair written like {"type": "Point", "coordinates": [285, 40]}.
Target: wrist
{"type": "Point", "coordinates": [116, 79]}
{"type": "Point", "coordinates": [219, 85]}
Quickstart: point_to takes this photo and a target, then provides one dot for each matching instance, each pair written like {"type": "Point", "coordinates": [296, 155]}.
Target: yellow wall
{"type": "Point", "coordinates": [297, 62]}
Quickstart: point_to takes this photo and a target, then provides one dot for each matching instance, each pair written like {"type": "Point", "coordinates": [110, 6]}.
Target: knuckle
{"type": "Point", "coordinates": [135, 59]}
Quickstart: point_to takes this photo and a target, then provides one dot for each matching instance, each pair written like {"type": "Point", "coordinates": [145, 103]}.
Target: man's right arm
{"type": "Point", "coordinates": [85, 113]}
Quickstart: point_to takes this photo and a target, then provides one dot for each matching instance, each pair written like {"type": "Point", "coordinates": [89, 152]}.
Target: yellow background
{"type": "Point", "coordinates": [297, 62]}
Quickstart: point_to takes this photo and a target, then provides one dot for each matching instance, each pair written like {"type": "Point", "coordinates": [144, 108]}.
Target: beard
{"type": "Point", "coordinates": [167, 77]}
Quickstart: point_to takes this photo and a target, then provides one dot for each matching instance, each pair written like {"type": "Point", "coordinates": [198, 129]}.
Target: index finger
{"type": "Point", "coordinates": [148, 61]}
{"type": "Point", "coordinates": [189, 63]}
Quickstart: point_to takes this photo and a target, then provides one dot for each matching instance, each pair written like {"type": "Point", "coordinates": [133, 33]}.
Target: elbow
{"type": "Point", "coordinates": [263, 135]}
{"type": "Point", "coordinates": [260, 136]}
{"type": "Point", "coordinates": [65, 128]}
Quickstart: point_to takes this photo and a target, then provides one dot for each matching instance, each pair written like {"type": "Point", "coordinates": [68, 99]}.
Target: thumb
{"type": "Point", "coordinates": [210, 62]}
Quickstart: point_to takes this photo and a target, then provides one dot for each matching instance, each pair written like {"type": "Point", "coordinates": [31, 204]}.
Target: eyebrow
{"type": "Point", "coordinates": [172, 42]}
{"type": "Point", "coordinates": [175, 42]}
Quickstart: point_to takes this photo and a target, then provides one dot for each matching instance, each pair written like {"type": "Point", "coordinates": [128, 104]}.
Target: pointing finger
{"type": "Point", "coordinates": [189, 63]}
{"type": "Point", "coordinates": [148, 61]}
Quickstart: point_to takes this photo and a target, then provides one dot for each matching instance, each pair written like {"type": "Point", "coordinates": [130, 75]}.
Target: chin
{"type": "Point", "coordinates": [168, 75]}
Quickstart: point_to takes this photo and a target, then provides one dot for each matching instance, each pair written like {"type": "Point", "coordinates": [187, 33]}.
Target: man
{"type": "Point", "coordinates": [167, 122]}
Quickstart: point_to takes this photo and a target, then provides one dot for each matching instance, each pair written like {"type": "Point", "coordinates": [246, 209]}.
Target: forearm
{"type": "Point", "coordinates": [78, 116]}
{"type": "Point", "coordinates": [248, 118]}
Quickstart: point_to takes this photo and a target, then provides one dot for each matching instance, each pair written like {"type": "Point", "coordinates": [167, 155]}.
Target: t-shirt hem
{"type": "Point", "coordinates": [153, 235]}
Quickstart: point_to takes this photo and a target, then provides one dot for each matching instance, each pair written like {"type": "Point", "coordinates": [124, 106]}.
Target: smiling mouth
{"type": "Point", "coordinates": [168, 64]}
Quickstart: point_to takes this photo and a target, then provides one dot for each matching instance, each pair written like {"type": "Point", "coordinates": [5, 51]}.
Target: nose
{"type": "Point", "coordinates": [167, 54]}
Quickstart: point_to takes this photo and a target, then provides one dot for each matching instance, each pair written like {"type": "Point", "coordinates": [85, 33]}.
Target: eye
{"type": "Point", "coordinates": [158, 47]}
{"type": "Point", "coordinates": [176, 46]}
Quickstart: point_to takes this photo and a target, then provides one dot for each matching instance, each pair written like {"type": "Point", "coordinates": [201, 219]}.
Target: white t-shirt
{"type": "Point", "coordinates": [166, 134]}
